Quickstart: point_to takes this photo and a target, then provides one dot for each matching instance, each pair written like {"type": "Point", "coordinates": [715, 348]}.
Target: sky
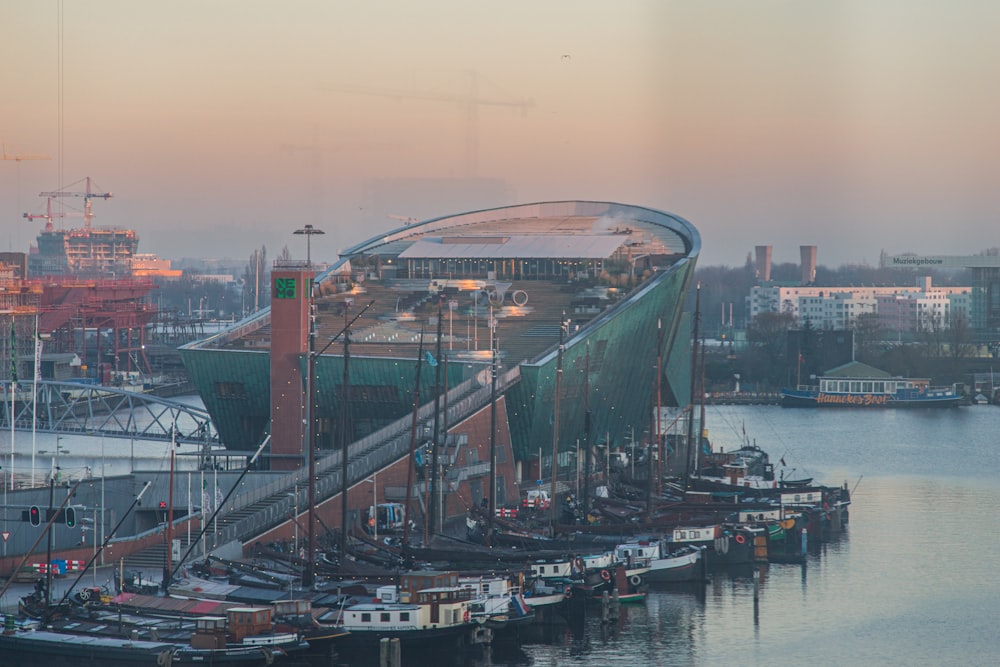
{"type": "Point", "coordinates": [221, 127]}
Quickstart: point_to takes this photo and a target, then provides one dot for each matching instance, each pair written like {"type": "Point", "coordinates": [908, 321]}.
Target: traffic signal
{"type": "Point", "coordinates": [163, 504]}
{"type": "Point", "coordinates": [34, 516]}
{"type": "Point", "coordinates": [69, 514]}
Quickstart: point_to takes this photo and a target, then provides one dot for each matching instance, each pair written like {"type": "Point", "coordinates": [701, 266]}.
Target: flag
{"type": "Point", "coordinates": [431, 361]}
{"type": "Point", "coordinates": [783, 461]}
{"type": "Point", "coordinates": [38, 358]}
{"type": "Point", "coordinates": [13, 353]}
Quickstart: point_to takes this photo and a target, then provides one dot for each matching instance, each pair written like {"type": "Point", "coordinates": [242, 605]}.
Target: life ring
{"type": "Point", "coordinates": [569, 594]}
{"type": "Point", "coordinates": [740, 539]}
{"type": "Point", "coordinates": [635, 580]}
{"type": "Point", "coordinates": [519, 297]}
{"type": "Point", "coordinates": [605, 575]}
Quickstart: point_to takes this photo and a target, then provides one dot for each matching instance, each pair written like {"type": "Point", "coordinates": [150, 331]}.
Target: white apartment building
{"type": "Point", "coordinates": [898, 308]}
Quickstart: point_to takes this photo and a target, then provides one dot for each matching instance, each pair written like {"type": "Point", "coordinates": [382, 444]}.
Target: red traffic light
{"type": "Point", "coordinates": [34, 516]}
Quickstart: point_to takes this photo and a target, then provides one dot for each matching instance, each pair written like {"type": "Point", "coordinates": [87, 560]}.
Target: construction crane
{"type": "Point", "coordinates": [87, 194]}
{"type": "Point", "coordinates": [49, 215]}
{"type": "Point", "coordinates": [470, 100]}
{"type": "Point", "coordinates": [18, 157]}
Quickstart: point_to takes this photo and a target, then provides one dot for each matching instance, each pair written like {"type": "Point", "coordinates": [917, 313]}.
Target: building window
{"type": "Point", "coordinates": [230, 390]}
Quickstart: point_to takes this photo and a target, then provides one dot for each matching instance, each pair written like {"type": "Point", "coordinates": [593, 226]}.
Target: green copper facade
{"type": "Point", "coordinates": [622, 341]}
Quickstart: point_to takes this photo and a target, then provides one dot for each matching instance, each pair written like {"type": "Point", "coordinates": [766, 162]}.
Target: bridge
{"type": "Point", "coordinates": [50, 406]}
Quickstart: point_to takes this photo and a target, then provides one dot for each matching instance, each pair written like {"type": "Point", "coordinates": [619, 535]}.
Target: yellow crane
{"type": "Point", "coordinates": [470, 100]}
{"type": "Point", "coordinates": [18, 157]}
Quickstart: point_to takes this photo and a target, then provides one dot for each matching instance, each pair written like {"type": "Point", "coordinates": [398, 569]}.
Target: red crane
{"type": "Point", "coordinates": [87, 194]}
{"type": "Point", "coordinates": [49, 215]}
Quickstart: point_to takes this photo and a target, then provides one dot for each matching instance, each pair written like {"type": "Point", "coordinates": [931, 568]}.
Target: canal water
{"type": "Point", "coordinates": [914, 582]}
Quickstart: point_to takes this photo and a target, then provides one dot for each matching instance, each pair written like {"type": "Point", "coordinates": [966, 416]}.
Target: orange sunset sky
{"type": "Point", "coordinates": [223, 126]}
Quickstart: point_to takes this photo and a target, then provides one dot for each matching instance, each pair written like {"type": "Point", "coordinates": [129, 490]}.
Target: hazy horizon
{"type": "Point", "coordinates": [222, 127]}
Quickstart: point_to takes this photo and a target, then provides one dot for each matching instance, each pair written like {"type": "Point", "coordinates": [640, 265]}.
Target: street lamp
{"type": "Point", "coordinates": [309, 231]}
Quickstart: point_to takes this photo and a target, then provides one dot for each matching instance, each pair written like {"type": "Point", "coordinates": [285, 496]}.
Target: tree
{"type": "Point", "coordinates": [255, 279]}
{"type": "Point", "coordinates": [867, 338]}
{"type": "Point", "coordinates": [766, 355]}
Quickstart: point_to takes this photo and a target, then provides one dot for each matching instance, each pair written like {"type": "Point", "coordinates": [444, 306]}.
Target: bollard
{"type": "Point", "coordinates": [805, 541]}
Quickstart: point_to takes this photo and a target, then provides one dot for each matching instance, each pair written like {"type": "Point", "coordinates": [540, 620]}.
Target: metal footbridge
{"type": "Point", "coordinates": [50, 406]}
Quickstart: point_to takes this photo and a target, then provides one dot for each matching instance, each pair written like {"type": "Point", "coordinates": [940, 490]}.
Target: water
{"type": "Point", "coordinates": [912, 583]}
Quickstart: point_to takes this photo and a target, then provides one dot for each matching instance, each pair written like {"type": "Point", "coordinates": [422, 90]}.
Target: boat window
{"type": "Point", "coordinates": [385, 617]}
{"type": "Point", "coordinates": [843, 386]}
{"type": "Point", "coordinates": [404, 616]}
{"type": "Point", "coordinates": [880, 387]}
{"type": "Point", "coordinates": [866, 387]}
{"type": "Point", "coordinates": [855, 385]}
{"type": "Point", "coordinates": [366, 617]}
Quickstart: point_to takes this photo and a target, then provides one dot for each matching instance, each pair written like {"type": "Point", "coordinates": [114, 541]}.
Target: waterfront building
{"type": "Point", "coordinates": [906, 309]}
{"type": "Point", "coordinates": [606, 283]}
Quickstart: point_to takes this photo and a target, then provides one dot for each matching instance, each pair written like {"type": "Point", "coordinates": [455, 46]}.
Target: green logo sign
{"type": "Point", "coordinates": [284, 288]}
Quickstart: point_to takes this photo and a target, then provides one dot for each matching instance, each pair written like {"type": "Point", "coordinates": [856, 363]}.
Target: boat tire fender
{"type": "Point", "coordinates": [635, 580]}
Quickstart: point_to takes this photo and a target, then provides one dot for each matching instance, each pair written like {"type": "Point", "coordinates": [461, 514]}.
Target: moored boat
{"type": "Point", "coordinates": [871, 392]}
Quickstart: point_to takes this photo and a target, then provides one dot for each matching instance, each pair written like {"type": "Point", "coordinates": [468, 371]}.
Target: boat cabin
{"type": "Point", "coordinates": [637, 553]}
{"type": "Point", "coordinates": [542, 569]}
{"type": "Point", "coordinates": [248, 621]}
{"type": "Point", "coordinates": [209, 632]}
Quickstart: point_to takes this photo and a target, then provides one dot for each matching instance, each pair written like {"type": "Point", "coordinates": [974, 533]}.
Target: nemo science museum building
{"type": "Point", "coordinates": [587, 297]}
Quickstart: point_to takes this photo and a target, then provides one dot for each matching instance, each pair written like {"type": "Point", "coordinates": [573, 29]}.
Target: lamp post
{"type": "Point", "coordinates": [307, 579]}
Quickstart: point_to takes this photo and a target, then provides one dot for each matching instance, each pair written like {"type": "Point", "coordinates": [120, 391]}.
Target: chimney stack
{"type": "Point", "coordinates": [763, 263]}
{"type": "Point", "coordinates": [808, 264]}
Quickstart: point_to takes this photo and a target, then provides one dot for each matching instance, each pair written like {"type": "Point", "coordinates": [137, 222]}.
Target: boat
{"type": "Point", "coordinates": [29, 648]}
{"type": "Point", "coordinates": [682, 565]}
{"type": "Point", "coordinates": [428, 612]}
{"type": "Point", "coordinates": [870, 392]}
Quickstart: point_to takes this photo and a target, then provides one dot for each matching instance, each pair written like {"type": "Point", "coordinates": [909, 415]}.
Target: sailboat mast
{"type": "Point", "coordinates": [586, 435]}
{"type": "Point", "coordinates": [170, 510]}
{"type": "Point", "coordinates": [345, 416]}
{"type": "Point", "coordinates": [493, 438]}
{"type": "Point", "coordinates": [555, 421]}
{"type": "Point", "coordinates": [433, 509]}
{"type": "Point", "coordinates": [413, 445]}
{"type": "Point", "coordinates": [694, 383]}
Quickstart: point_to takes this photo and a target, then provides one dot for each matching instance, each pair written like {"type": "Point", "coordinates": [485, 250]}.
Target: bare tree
{"type": "Point", "coordinates": [255, 279]}
{"type": "Point", "coordinates": [867, 338]}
